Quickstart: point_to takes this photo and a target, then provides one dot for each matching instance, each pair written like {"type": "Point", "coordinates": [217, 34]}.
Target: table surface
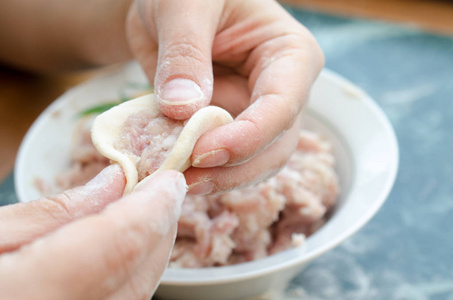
{"type": "Point", "coordinates": [405, 251]}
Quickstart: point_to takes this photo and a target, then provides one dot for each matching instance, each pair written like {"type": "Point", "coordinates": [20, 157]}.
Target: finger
{"type": "Point", "coordinates": [281, 71]}
{"type": "Point", "coordinates": [145, 280]}
{"type": "Point", "coordinates": [142, 43]}
{"type": "Point", "coordinates": [262, 166]}
{"type": "Point", "coordinates": [184, 79]}
{"type": "Point", "coordinates": [91, 258]}
{"type": "Point", "coordinates": [23, 222]}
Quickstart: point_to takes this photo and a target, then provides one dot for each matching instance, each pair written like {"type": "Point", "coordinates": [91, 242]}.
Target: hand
{"type": "Point", "coordinates": [249, 57]}
{"type": "Point", "coordinates": [80, 245]}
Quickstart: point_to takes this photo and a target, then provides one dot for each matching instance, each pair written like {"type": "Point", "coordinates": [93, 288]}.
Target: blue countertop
{"type": "Point", "coordinates": [406, 250]}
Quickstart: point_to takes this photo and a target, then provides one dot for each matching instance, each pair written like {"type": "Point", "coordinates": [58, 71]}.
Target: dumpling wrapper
{"type": "Point", "coordinates": [107, 129]}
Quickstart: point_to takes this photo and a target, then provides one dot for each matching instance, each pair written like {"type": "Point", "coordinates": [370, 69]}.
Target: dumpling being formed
{"type": "Point", "coordinates": [142, 140]}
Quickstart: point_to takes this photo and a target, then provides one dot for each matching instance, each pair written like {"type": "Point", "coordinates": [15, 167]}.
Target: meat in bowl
{"type": "Point", "coordinates": [234, 227]}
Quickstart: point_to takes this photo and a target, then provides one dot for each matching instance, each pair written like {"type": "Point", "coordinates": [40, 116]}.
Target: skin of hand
{"type": "Point", "coordinates": [249, 57]}
{"type": "Point", "coordinates": [52, 36]}
{"type": "Point", "coordinates": [88, 242]}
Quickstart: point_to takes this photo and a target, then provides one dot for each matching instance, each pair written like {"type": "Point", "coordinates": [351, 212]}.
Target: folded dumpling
{"type": "Point", "coordinates": [142, 140]}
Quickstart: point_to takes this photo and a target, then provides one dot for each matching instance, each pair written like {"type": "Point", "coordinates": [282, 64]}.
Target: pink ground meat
{"type": "Point", "coordinates": [148, 137]}
{"type": "Point", "coordinates": [86, 162]}
{"type": "Point", "coordinates": [263, 219]}
{"type": "Point", "coordinates": [238, 226]}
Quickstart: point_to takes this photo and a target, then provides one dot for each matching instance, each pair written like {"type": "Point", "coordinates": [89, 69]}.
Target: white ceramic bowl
{"type": "Point", "coordinates": [364, 145]}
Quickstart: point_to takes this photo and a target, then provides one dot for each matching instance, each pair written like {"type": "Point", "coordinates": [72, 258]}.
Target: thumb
{"type": "Point", "coordinates": [185, 32]}
{"type": "Point", "coordinates": [93, 257]}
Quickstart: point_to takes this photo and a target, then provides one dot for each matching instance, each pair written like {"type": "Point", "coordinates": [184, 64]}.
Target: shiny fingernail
{"type": "Point", "coordinates": [201, 188]}
{"type": "Point", "coordinates": [212, 159]}
{"type": "Point", "coordinates": [180, 91]}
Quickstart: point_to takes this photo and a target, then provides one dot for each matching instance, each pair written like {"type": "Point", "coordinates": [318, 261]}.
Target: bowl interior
{"type": "Point", "coordinates": [363, 140]}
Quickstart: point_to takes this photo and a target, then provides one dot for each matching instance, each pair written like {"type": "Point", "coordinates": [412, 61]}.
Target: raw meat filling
{"type": "Point", "coordinates": [238, 226]}
{"type": "Point", "coordinates": [86, 162]}
{"type": "Point", "coordinates": [148, 138]}
{"type": "Point", "coordinates": [256, 221]}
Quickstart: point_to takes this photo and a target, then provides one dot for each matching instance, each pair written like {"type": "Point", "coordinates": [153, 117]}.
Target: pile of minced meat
{"type": "Point", "coordinates": [244, 224]}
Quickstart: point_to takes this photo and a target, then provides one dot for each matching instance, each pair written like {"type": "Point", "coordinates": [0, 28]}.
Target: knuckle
{"type": "Point", "coordinates": [184, 51]}
{"type": "Point", "coordinates": [317, 53]}
{"type": "Point", "coordinates": [280, 104]}
{"type": "Point", "coordinates": [307, 41]}
{"type": "Point", "coordinates": [255, 132]}
{"type": "Point", "coordinates": [55, 207]}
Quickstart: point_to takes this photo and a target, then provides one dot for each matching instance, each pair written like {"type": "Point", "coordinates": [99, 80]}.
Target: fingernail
{"type": "Point", "coordinates": [211, 159]}
{"type": "Point", "coordinates": [201, 188]}
{"type": "Point", "coordinates": [180, 91]}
